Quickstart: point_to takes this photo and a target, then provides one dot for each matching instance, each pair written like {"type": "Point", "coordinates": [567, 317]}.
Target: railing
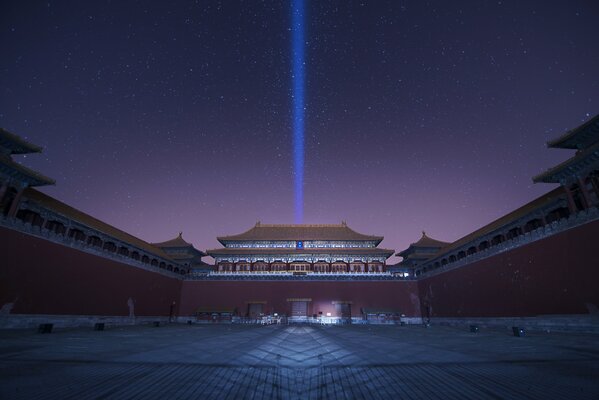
{"type": "Point", "coordinates": [311, 276]}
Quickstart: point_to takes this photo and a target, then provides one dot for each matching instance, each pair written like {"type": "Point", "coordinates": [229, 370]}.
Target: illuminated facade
{"type": "Point", "coordinates": [301, 249]}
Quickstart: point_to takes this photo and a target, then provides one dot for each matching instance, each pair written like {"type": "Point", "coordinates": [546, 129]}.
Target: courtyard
{"type": "Point", "coordinates": [219, 361]}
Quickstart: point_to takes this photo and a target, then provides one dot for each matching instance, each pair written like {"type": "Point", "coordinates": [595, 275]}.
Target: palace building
{"type": "Point", "coordinates": [301, 249]}
{"type": "Point", "coordinates": [535, 265]}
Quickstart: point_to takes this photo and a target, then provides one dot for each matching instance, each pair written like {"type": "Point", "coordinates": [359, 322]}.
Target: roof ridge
{"type": "Point", "coordinates": [301, 226]}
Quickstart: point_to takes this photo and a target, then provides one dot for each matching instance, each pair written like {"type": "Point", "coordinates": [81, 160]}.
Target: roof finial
{"type": "Point", "coordinates": [344, 223]}
{"type": "Point", "coordinates": [258, 223]}
{"type": "Point", "coordinates": [180, 234]}
{"type": "Point", "coordinates": [423, 233]}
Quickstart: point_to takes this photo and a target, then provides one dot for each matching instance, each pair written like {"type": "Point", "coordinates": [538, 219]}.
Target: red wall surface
{"type": "Point", "coordinates": [556, 275]}
{"type": "Point", "coordinates": [41, 277]}
{"type": "Point", "coordinates": [396, 295]}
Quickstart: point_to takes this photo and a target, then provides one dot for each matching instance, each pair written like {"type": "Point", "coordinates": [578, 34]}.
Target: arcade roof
{"type": "Point", "coordinates": [264, 232]}
{"type": "Point", "coordinates": [583, 160]}
{"type": "Point", "coordinates": [85, 219]}
{"type": "Point", "coordinates": [177, 242]}
{"type": "Point", "coordinates": [424, 242]}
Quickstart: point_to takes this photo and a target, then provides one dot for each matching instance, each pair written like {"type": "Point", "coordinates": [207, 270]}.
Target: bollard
{"type": "Point", "coordinates": [518, 332]}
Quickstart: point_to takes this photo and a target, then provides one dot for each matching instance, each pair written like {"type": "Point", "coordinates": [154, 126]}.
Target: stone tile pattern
{"type": "Point", "coordinates": [297, 362]}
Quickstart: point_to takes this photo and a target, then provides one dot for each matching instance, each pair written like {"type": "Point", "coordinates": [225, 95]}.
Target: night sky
{"type": "Point", "coordinates": [159, 117]}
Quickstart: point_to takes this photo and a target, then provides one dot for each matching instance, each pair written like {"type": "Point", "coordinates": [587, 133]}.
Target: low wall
{"type": "Point", "coordinates": [45, 278]}
{"type": "Point", "coordinates": [274, 295]}
{"type": "Point", "coordinates": [555, 275]}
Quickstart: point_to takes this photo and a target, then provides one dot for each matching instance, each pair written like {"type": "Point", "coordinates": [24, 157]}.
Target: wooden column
{"type": "Point", "coordinates": [3, 190]}
{"type": "Point", "coordinates": [585, 192]}
{"type": "Point", "coordinates": [14, 207]}
{"type": "Point", "coordinates": [595, 184]}
{"type": "Point", "coordinates": [571, 205]}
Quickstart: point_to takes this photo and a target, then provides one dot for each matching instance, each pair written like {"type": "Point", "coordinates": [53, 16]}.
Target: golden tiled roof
{"type": "Point", "coordinates": [580, 137]}
{"type": "Point", "coordinates": [265, 232]}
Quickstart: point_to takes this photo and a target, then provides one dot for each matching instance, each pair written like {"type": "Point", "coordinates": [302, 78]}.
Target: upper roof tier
{"type": "Point", "coordinates": [580, 137]}
{"type": "Point", "coordinates": [334, 232]}
{"type": "Point", "coordinates": [426, 241]}
{"type": "Point", "coordinates": [16, 145]}
{"type": "Point", "coordinates": [581, 164]}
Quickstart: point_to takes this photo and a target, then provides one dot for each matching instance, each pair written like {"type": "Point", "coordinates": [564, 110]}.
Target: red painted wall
{"type": "Point", "coordinates": [42, 277]}
{"type": "Point", "coordinates": [398, 295]}
{"type": "Point", "coordinates": [557, 275]}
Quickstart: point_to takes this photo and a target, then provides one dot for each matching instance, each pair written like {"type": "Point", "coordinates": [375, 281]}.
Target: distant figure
{"type": "Point", "coordinates": [131, 306]}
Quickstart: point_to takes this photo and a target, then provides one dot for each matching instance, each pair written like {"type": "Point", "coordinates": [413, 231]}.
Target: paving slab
{"type": "Point", "coordinates": [297, 362]}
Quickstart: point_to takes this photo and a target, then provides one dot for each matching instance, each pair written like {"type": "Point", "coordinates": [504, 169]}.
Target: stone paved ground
{"type": "Point", "coordinates": [297, 362]}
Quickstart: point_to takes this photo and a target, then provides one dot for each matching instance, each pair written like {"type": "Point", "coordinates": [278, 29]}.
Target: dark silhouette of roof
{"type": "Point", "coordinates": [570, 166]}
{"type": "Point", "coordinates": [178, 242]}
{"type": "Point", "coordinates": [16, 144]}
{"type": "Point", "coordinates": [580, 137]}
{"type": "Point", "coordinates": [61, 208]}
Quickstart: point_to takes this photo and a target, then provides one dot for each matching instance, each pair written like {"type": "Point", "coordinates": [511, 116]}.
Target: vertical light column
{"type": "Point", "coordinates": [298, 87]}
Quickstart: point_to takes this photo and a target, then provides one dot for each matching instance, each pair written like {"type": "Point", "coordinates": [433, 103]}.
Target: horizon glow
{"type": "Point", "coordinates": [298, 88]}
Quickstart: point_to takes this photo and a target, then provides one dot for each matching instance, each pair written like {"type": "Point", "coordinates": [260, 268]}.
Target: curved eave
{"type": "Point", "coordinates": [579, 137]}
{"type": "Point", "coordinates": [16, 144]}
{"type": "Point", "coordinates": [580, 161]}
{"type": "Point", "coordinates": [23, 174]}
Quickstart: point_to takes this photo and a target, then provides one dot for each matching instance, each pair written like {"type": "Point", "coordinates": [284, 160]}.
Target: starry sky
{"type": "Point", "coordinates": [159, 117]}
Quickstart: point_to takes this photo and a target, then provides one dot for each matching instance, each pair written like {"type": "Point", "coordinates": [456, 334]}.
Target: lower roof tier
{"type": "Point", "coordinates": [374, 252]}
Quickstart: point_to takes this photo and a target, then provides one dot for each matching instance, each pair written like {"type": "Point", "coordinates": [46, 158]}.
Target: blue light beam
{"type": "Point", "coordinates": [298, 75]}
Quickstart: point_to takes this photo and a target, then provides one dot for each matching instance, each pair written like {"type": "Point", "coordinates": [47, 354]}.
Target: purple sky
{"type": "Point", "coordinates": [159, 117]}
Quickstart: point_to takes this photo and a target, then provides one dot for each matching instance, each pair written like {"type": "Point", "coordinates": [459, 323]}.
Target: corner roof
{"type": "Point", "coordinates": [299, 232]}
{"type": "Point", "coordinates": [16, 144]}
{"type": "Point", "coordinates": [177, 242]}
{"type": "Point", "coordinates": [580, 161]}
{"type": "Point", "coordinates": [580, 137]}
{"type": "Point", "coordinates": [425, 242]}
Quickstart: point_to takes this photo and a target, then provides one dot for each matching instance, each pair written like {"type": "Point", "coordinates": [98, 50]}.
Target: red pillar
{"type": "Point", "coordinates": [585, 192]}
{"type": "Point", "coordinates": [571, 205]}
{"type": "Point", "coordinates": [3, 190]}
{"type": "Point", "coordinates": [14, 207]}
{"type": "Point", "coordinates": [595, 184]}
